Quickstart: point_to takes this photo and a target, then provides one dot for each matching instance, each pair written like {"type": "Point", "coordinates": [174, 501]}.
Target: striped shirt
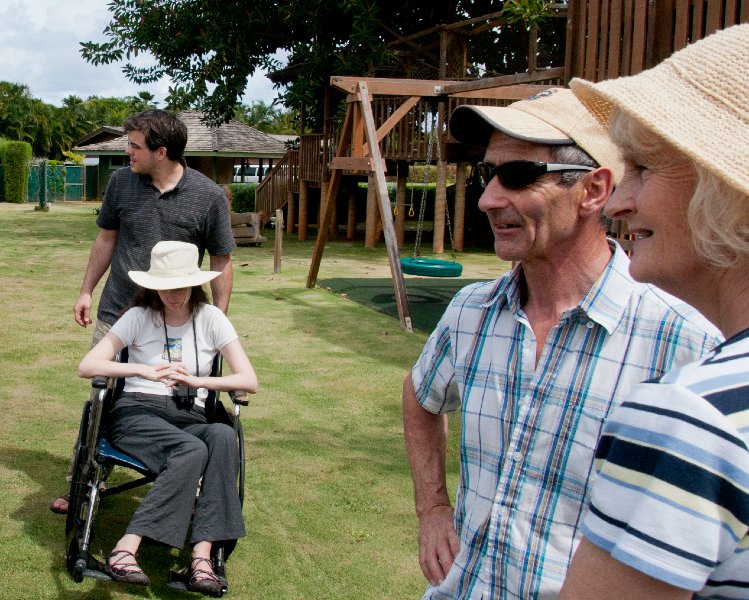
{"type": "Point", "coordinates": [672, 498]}
{"type": "Point", "coordinates": [529, 431]}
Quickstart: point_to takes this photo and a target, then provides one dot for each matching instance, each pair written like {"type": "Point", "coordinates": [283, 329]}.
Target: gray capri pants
{"type": "Point", "coordinates": [180, 446]}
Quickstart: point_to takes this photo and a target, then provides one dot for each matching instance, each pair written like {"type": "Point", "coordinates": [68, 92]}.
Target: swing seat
{"type": "Point", "coordinates": [431, 267]}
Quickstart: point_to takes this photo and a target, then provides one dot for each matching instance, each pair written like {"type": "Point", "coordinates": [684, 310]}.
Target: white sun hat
{"type": "Point", "coordinates": [552, 117]}
{"type": "Point", "coordinates": [697, 100]}
{"type": "Point", "coordinates": [174, 265]}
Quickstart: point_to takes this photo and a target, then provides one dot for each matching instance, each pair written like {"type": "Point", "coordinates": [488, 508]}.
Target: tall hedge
{"type": "Point", "coordinates": [16, 160]}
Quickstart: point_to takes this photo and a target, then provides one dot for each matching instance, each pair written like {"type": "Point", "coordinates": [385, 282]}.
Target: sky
{"type": "Point", "coordinates": [41, 41]}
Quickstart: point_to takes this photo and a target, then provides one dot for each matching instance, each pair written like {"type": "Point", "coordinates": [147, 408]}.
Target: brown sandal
{"type": "Point", "coordinates": [201, 580]}
{"type": "Point", "coordinates": [125, 572]}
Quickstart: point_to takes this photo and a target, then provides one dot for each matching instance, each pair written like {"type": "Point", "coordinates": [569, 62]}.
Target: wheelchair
{"type": "Point", "coordinates": [94, 460]}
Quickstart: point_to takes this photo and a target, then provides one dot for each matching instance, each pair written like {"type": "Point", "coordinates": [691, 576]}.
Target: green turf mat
{"type": "Point", "coordinates": [427, 297]}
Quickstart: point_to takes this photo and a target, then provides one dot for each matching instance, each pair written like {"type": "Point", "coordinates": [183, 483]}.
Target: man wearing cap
{"type": "Point", "coordinates": [535, 360]}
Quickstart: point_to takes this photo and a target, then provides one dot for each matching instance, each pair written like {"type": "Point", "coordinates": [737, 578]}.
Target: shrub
{"type": "Point", "coordinates": [243, 197]}
{"type": "Point", "coordinates": [16, 159]}
{"type": "Point", "coordinates": [56, 175]}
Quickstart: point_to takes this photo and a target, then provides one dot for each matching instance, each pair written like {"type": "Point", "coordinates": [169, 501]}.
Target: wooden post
{"type": "Point", "coordinates": [303, 208]}
{"type": "Point", "coordinates": [351, 220]}
{"type": "Point", "coordinates": [333, 232]}
{"type": "Point", "coordinates": [290, 213]}
{"type": "Point", "coordinates": [440, 203]}
{"type": "Point", "coordinates": [399, 285]}
{"type": "Point", "coordinates": [400, 201]}
{"type": "Point", "coordinates": [278, 242]}
{"type": "Point", "coordinates": [460, 207]}
{"type": "Point", "coordinates": [335, 183]}
{"type": "Point", "coordinates": [370, 235]}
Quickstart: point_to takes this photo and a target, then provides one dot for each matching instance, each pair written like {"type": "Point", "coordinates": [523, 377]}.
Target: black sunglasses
{"type": "Point", "coordinates": [517, 174]}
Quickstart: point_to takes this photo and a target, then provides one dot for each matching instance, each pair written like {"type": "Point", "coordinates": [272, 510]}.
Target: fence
{"type": "Point", "coordinates": [62, 182]}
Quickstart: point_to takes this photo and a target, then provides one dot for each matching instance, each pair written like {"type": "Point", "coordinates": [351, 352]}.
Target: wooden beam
{"type": "Point", "coordinates": [390, 87]}
{"type": "Point", "coordinates": [503, 80]}
{"type": "Point", "coordinates": [399, 285]}
{"type": "Point", "coordinates": [335, 182]}
{"type": "Point", "coordinates": [507, 92]}
{"type": "Point", "coordinates": [460, 206]}
{"type": "Point", "coordinates": [356, 163]}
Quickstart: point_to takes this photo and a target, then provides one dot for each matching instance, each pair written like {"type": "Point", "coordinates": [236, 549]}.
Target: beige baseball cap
{"type": "Point", "coordinates": [552, 117]}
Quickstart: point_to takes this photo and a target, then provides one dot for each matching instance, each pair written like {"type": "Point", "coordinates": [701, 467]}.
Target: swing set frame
{"type": "Point", "coordinates": [358, 151]}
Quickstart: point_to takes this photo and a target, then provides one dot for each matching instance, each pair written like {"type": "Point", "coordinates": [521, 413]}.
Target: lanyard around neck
{"type": "Point", "coordinates": [195, 342]}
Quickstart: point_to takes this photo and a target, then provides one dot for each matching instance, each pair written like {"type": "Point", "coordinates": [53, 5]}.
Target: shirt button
{"type": "Point", "coordinates": [589, 324]}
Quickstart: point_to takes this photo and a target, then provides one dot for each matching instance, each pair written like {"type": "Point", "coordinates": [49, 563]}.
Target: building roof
{"type": "Point", "coordinates": [103, 134]}
{"type": "Point", "coordinates": [230, 139]}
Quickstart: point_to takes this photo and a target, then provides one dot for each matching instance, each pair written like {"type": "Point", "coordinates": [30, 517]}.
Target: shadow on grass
{"type": "Point", "coordinates": [48, 530]}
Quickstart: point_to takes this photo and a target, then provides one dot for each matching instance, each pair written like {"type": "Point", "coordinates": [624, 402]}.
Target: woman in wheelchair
{"type": "Point", "coordinates": [172, 335]}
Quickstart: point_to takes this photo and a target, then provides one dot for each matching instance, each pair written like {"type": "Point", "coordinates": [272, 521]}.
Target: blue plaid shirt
{"type": "Point", "coordinates": [529, 431]}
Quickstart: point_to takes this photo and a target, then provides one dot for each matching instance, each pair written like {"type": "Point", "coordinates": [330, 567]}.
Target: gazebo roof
{"type": "Point", "coordinates": [230, 139]}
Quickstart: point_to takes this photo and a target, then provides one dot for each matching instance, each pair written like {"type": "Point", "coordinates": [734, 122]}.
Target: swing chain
{"type": "Point", "coordinates": [447, 211]}
{"type": "Point", "coordinates": [422, 207]}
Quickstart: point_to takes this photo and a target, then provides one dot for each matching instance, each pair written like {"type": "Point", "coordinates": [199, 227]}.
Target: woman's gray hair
{"type": "Point", "coordinates": [719, 218]}
{"type": "Point", "coordinates": [718, 213]}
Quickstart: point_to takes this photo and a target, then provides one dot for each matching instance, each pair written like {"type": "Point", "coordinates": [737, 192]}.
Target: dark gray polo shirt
{"type": "Point", "coordinates": [195, 211]}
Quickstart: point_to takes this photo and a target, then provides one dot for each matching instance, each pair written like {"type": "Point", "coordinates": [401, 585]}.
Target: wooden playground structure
{"type": "Point", "coordinates": [390, 124]}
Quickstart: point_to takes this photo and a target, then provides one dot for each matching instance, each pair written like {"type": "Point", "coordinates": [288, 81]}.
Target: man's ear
{"type": "Point", "coordinates": [160, 153]}
{"type": "Point", "coordinates": [598, 187]}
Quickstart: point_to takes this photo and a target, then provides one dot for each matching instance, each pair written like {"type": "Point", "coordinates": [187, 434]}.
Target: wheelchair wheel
{"type": "Point", "coordinates": [240, 441]}
{"type": "Point", "coordinates": [77, 483]}
{"type": "Point", "coordinates": [74, 561]}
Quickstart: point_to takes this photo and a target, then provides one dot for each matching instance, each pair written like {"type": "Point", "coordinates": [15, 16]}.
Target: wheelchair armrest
{"type": "Point", "coordinates": [239, 397]}
{"type": "Point", "coordinates": [99, 382]}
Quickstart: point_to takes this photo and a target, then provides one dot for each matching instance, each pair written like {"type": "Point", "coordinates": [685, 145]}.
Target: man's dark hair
{"type": "Point", "coordinates": [160, 128]}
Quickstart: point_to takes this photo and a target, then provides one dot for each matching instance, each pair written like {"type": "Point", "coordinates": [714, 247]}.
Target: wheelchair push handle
{"type": "Point", "coordinates": [99, 382]}
{"type": "Point", "coordinates": [239, 397]}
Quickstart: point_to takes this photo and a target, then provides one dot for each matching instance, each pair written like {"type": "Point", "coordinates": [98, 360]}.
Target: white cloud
{"type": "Point", "coordinates": [41, 42]}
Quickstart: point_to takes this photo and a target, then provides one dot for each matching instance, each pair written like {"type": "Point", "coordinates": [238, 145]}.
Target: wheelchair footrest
{"type": "Point", "coordinates": [91, 568]}
{"type": "Point", "coordinates": [178, 580]}
{"type": "Point", "coordinates": [95, 574]}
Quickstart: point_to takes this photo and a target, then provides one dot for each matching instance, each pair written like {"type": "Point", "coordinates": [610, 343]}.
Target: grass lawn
{"type": "Point", "coordinates": [329, 506]}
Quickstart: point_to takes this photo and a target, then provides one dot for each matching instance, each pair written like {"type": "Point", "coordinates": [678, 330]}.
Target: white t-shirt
{"type": "Point", "coordinates": [142, 331]}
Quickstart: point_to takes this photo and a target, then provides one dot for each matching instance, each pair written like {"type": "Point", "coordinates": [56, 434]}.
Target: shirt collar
{"type": "Point", "coordinates": [605, 302]}
{"type": "Point", "coordinates": [148, 181]}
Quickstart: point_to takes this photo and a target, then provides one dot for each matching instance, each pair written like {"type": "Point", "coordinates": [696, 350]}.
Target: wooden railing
{"type": "Point", "coordinates": [311, 158]}
{"type": "Point", "coordinates": [273, 192]}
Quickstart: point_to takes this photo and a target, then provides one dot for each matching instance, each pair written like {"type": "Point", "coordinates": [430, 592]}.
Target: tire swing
{"type": "Point", "coordinates": [417, 264]}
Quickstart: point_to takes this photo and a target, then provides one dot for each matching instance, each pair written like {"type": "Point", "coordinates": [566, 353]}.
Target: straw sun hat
{"type": "Point", "coordinates": [552, 117]}
{"type": "Point", "coordinates": [174, 265]}
{"type": "Point", "coordinates": [697, 100]}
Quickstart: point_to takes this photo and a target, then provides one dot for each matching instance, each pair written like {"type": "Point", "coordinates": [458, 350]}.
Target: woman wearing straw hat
{"type": "Point", "coordinates": [172, 335]}
{"type": "Point", "coordinates": [669, 513]}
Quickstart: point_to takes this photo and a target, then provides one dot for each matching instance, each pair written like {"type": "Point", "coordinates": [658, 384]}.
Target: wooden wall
{"type": "Point", "coordinates": [613, 38]}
